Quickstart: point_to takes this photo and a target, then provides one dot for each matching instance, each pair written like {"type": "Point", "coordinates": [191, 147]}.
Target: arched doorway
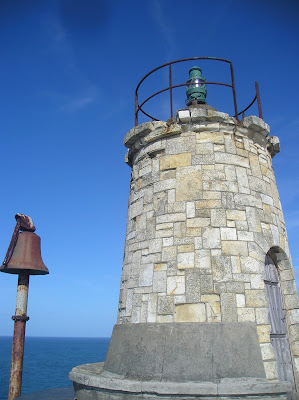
{"type": "Point", "coordinates": [278, 334]}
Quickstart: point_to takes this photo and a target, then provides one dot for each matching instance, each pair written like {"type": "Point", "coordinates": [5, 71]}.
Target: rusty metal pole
{"type": "Point", "coordinates": [20, 319]}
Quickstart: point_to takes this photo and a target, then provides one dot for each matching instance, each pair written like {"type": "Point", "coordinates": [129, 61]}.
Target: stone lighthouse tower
{"type": "Point", "coordinates": [208, 306]}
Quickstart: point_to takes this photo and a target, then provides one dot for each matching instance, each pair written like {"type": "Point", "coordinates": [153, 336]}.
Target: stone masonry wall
{"type": "Point", "coordinates": [203, 212]}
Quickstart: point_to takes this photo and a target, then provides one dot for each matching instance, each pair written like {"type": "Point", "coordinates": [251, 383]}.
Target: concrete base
{"type": "Point", "coordinates": [91, 382]}
{"type": "Point", "coordinates": [179, 361]}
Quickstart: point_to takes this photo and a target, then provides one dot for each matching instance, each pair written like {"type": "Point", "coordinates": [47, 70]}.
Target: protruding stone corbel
{"type": "Point", "coordinates": [273, 145]}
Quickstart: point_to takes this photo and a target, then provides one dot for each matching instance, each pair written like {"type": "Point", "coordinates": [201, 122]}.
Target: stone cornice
{"type": "Point", "coordinates": [196, 120]}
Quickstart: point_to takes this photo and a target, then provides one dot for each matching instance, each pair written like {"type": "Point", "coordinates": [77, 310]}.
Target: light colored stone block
{"type": "Point", "coordinates": [184, 248]}
{"type": "Point", "coordinates": [213, 311]}
{"type": "Point", "coordinates": [228, 233]}
{"type": "Point", "coordinates": [246, 314]}
{"type": "Point", "coordinates": [218, 217]}
{"type": "Point", "coordinates": [210, 195]}
{"type": "Point", "coordinates": [221, 186]}
{"type": "Point", "coordinates": [155, 245]}
{"type": "Point", "coordinates": [190, 209]}
{"type": "Point", "coordinates": [184, 116]}
{"type": "Point", "coordinates": [186, 260]}
{"type": "Point", "coordinates": [188, 185]}
{"type": "Point", "coordinates": [190, 313]}
{"type": "Point", "coordinates": [262, 316]}
{"type": "Point", "coordinates": [135, 209]}
{"type": "Point", "coordinates": [168, 218]}
{"type": "Point", "coordinates": [268, 352]}
{"type": "Point", "coordinates": [236, 215]}
{"type": "Point", "coordinates": [235, 287]}
{"type": "Point", "coordinates": [230, 173]}
{"type": "Point", "coordinates": [231, 159]}
{"type": "Point", "coordinates": [210, 298]}
{"type": "Point", "coordinates": [242, 179]}
{"type": "Point", "coordinates": [167, 225]}
{"type": "Point", "coordinates": [208, 203]}
{"type": "Point", "coordinates": [152, 307]}
{"type": "Point", "coordinates": [136, 313]}
{"type": "Point", "coordinates": [236, 264]}
{"type": "Point", "coordinates": [164, 319]}
{"type": "Point", "coordinates": [267, 199]}
{"type": "Point", "coordinates": [295, 348]}
{"type": "Point", "coordinates": [253, 219]}
{"type": "Point", "coordinates": [240, 298]}
{"type": "Point", "coordinates": [256, 298]}
{"type": "Point", "coordinates": [203, 259]}
{"type": "Point", "coordinates": [160, 267]}
{"type": "Point", "coordinates": [228, 307]}
{"type": "Point", "coordinates": [241, 225]}
{"type": "Point", "coordinates": [175, 285]}
{"type": "Point", "coordinates": [159, 281]}
{"type": "Point", "coordinates": [204, 148]}
{"type": "Point", "coordinates": [221, 268]}
{"type": "Point", "coordinates": [257, 281]}
{"type": "Point", "coordinates": [179, 299]}
{"type": "Point", "coordinates": [167, 242]}
{"type": "Point", "coordinates": [164, 185]}
{"type": "Point", "coordinates": [206, 284]}
{"type": "Point", "coordinates": [171, 196]}
{"type": "Point", "coordinates": [251, 265]}
{"type": "Point", "coordinates": [296, 364]}
{"type": "Point", "coordinates": [169, 253]}
{"type": "Point", "coordinates": [246, 236]}
{"type": "Point", "coordinates": [211, 137]}
{"type": "Point", "coordinates": [293, 316]}
{"type": "Point", "coordinates": [202, 159]}
{"type": "Point", "coordinates": [211, 238]}
{"type": "Point", "coordinates": [146, 275]}
{"type": "Point", "coordinates": [234, 248]}
{"type": "Point", "coordinates": [197, 222]}
{"type": "Point", "coordinates": [180, 230]}
{"type": "Point", "coordinates": [263, 332]}
{"type": "Point", "coordinates": [271, 370]}
{"type": "Point", "coordinates": [175, 160]}
{"type": "Point", "coordinates": [247, 200]}
{"type": "Point", "coordinates": [291, 301]}
{"type": "Point", "coordinates": [164, 233]}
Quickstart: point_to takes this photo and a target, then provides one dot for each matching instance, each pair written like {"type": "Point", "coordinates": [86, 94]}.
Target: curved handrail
{"type": "Point", "coordinates": [138, 107]}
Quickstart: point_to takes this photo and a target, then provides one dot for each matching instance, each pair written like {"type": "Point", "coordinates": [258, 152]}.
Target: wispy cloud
{"type": "Point", "coordinates": [80, 101]}
{"type": "Point", "coordinates": [82, 92]}
{"type": "Point", "coordinates": [167, 31]}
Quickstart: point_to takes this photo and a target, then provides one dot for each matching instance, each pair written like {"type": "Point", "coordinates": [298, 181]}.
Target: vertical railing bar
{"type": "Point", "coordinates": [136, 108]}
{"type": "Point", "coordinates": [170, 91]}
{"type": "Point", "coordinates": [234, 90]}
{"type": "Point", "coordinates": [258, 100]}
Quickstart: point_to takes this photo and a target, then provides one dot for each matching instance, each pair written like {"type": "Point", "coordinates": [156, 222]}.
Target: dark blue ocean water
{"type": "Point", "coordinates": [47, 361]}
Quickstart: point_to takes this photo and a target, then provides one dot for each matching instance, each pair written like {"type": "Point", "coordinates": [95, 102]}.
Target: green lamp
{"type": "Point", "coordinates": [196, 90]}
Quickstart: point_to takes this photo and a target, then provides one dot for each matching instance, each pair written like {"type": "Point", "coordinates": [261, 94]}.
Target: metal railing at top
{"type": "Point", "coordinates": [138, 107]}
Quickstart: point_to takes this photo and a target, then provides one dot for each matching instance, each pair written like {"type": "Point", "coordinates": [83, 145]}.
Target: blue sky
{"type": "Point", "coordinates": [69, 71]}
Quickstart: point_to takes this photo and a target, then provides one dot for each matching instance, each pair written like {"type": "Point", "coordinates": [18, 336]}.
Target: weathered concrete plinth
{"type": "Point", "coordinates": [179, 361]}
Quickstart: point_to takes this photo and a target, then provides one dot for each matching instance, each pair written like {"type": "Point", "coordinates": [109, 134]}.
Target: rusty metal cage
{"type": "Point", "coordinates": [139, 107]}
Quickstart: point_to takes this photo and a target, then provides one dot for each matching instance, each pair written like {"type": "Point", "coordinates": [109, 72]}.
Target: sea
{"type": "Point", "coordinates": [48, 361]}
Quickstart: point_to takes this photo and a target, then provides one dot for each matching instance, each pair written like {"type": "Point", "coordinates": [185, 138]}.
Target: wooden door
{"type": "Point", "coordinates": [278, 334]}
